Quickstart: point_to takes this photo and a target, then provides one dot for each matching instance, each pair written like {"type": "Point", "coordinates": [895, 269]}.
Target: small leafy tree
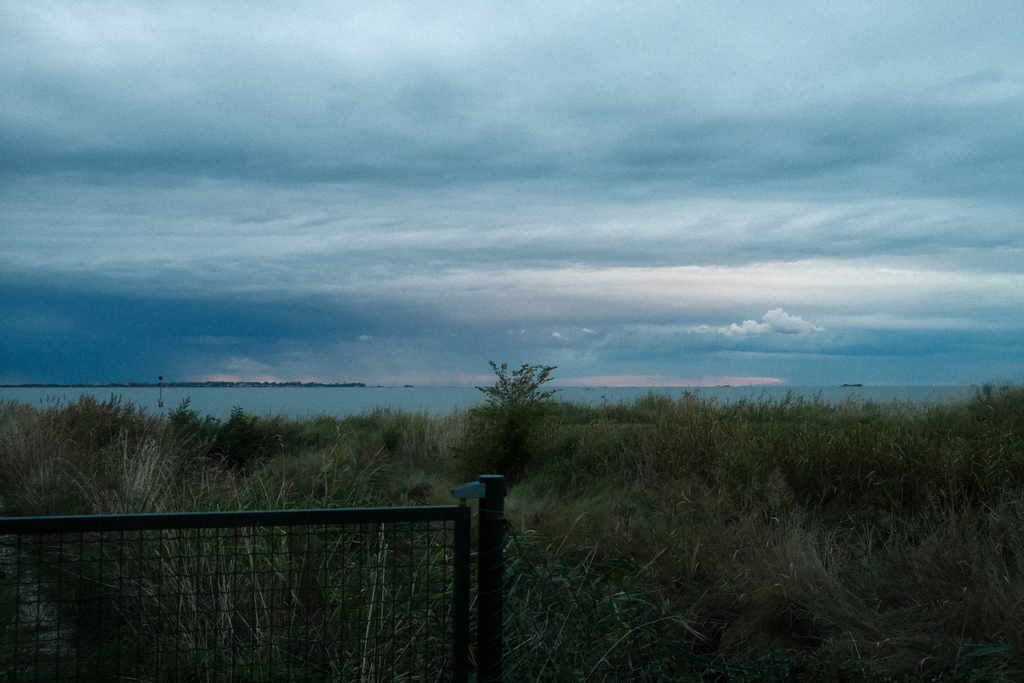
{"type": "Point", "coordinates": [522, 388]}
{"type": "Point", "coordinates": [501, 439]}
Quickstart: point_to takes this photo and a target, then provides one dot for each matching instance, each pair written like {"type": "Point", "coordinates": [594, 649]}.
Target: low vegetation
{"type": "Point", "coordinates": [756, 540]}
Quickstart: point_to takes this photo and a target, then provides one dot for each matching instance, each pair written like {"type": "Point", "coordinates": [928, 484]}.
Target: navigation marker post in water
{"type": "Point", "coordinates": [160, 400]}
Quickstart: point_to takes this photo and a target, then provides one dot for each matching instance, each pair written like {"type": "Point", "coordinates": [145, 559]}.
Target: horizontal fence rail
{"type": "Point", "coordinates": [369, 594]}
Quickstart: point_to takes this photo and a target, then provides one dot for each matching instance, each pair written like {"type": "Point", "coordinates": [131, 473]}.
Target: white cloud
{"type": "Point", "coordinates": [749, 328]}
{"type": "Point", "coordinates": [776, 321]}
{"type": "Point", "coordinates": [784, 323]}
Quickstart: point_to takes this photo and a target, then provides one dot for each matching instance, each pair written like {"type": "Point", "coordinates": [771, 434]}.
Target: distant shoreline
{"type": "Point", "coordinates": [123, 385]}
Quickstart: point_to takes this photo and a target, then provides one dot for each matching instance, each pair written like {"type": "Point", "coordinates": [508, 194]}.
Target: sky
{"type": "Point", "coordinates": [655, 193]}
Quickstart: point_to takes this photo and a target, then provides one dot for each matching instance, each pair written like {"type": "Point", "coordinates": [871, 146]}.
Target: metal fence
{"type": "Point", "coordinates": [305, 595]}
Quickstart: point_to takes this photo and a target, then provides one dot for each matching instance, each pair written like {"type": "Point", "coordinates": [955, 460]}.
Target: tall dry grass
{"type": "Point", "coordinates": [878, 538]}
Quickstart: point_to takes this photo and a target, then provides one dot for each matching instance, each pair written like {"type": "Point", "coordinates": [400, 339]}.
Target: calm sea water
{"type": "Point", "coordinates": [297, 402]}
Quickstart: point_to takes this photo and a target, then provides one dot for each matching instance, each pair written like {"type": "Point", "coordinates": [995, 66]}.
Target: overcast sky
{"type": "Point", "coordinates": [642, 193]}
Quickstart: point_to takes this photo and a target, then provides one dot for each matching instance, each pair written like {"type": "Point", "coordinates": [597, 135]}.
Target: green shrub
{"type": "Point", "coordinates": [503, 432]}
{"type": "Point", "coordinates": [187, 425]}
{"type": "Point", "coordinates": [237, 442]}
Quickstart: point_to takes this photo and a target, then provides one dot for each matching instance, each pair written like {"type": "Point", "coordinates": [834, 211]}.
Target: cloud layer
{"type": "Point", "coordinates": [382, 191]}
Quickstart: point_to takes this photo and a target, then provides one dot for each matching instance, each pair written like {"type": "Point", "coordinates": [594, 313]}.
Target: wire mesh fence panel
{"type": "Point", "coordinates": [236, 596]}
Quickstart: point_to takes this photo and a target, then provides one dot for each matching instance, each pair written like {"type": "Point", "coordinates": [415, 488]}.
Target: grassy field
{"type": "Point", "coordinates": [657, 539]}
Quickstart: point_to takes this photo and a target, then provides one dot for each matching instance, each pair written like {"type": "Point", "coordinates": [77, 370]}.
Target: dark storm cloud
{"type": "Point", "coordinates": [397, 94]}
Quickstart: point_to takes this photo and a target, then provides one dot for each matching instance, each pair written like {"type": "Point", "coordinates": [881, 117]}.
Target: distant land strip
{"type": "Point", "coordinates": [101, 385]}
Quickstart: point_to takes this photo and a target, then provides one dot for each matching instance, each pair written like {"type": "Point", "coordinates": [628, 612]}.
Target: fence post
{"type": "Point", "coordinates": [491, 581]}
